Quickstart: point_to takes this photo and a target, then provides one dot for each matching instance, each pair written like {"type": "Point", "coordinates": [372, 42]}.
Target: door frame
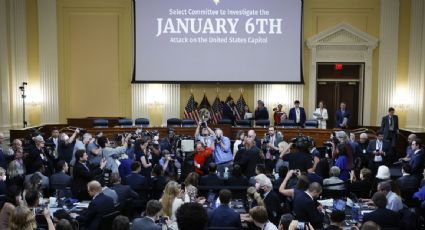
{"type": "Point", "coordinates": [360, 81]}
{"type": "Point", "coordinates": [343, 43]}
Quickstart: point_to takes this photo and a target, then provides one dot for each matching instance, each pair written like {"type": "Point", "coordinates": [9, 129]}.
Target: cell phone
{"type": "Point", "coordinates": [302, 226]}
{"type": "Point", "coordinates": [163, 220]}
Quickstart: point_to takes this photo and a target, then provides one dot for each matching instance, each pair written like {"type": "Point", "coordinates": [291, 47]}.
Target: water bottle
{"type": "Point", "coordinates": [226, 173]}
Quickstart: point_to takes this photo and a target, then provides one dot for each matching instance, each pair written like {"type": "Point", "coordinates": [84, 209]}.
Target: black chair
{"type": "Point", "coordinates": [125, 123]}
{"type": "Point", "coordinates": [333, 193]}
{"type": "Point", "coordinates": [225, 122]}
{"type": "Point", "coordinates": [143, 122]}
{"type": "Point", "coordinates": [106, 222]}
{"type": "Point", "coordinates": [100, 123]}
{"type": "Point", "coordinates": [288, 123]}
{"type": "Point", "coordinates": [174, 122]}
{"type": "Point", "coordinates": [264, 123]}
{"type": "Point", "coordinates": [243, 123]}
{"type": "Point", "coordinates": [222, 228]}
{"type": "Point", "coordinates": [408, 199]}
{"type": "Point", "coordinates": [188, 123]}
{"type": "Point", "coordinates": [312, 124]}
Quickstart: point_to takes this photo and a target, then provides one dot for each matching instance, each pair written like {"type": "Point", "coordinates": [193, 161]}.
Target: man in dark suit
{"type": "Point", "coordinates": [98, 207]}
{"type": "Point", "coordinates": [152, 214]}
{"type": "Point", "coordinates": [297, 114]}
{"type": "Point", "coordinates": [228, 112]}
{"type": "Point", "coordinates": [123, 191]}
{"type": "Point", "coordinates": [211, 179]}
{"type": "Point", "coordinates": [378, 151]}
{"type": "Point", "coordinates": [82, 173]}
{"type": "Point", "coordinates": [60, 181]}
{"type": "Point", "coordinates": [271, 199]}
{"type": "Point", "coordinates": [261, 112]}
{"type": "Point", "coordinates": [248, 158]}
{"type": "Point", "coordinates": [385, 218]}
{"type": "Point", "coordinates": [342, 116]}
{"type": "Point", "coordinates": [389, 127]}
{"type": "Point", "coordinates": [417, 159]}
{"type": "Point", "coordinates": [306, 208]}
{"type": "Point", "coordinates": [407, 182]}
{"type": "Point", "coordinates": [136, 181]}
{"type": "Point", "coordinates": [224, 216]}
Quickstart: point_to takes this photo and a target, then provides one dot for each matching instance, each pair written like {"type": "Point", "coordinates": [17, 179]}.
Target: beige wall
{"type": "Point", "coordinates": [95, 53]}
{"type": "Point", "coordinates": [95, 57]}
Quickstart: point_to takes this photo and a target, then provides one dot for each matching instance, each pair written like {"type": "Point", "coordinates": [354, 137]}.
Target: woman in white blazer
{"type": "Point", "coordinates": [321, 115]}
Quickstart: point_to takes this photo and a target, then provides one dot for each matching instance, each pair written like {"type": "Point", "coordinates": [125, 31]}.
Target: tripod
{"type": "Point", "coordinates": [22, 88]}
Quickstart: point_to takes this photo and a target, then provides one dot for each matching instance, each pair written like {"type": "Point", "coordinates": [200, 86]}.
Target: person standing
{"type": "Point", "coordinates": [342, 116]}
{"type": "Point", "coordinates": [321, 115]}
{"type": "Point", "coordinates": [261, 112]}
{"type": "Point", "coordinates": [297, 114]}
{"type": "Point", "coordinates": [389, 127]}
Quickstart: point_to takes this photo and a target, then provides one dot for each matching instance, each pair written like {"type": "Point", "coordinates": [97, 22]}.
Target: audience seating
{"type": "Point", "coordinates": [100, 123]}
{"type": "Point", "coordinates": [265, 123]}
{"type": "Point", "coordinates": [174, 122]}
{"type": "Point", "coordinates": [106, 223]}
{"type": "Point", "coordinates": [143, 122]}
{"type": "Point", "coordinates": [125, 123]}
{"type": "Point", "coordinates": [225, 122]}
{"type": "Point", "coordinates": [288, 124]}
{"type": "Point", "coordinates": [243, 123]}
{"type": "Point", "coordinates": [188, 123]}
{"type": "Point", "coordinates": [311, 124]}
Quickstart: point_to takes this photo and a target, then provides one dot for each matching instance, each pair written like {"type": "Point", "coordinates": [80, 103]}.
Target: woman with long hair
{"type": "Point", "coordinates": [12, 200]}
{"type": "Point", "coordinates": [254, 198]}
{"type": "Point", "coordinates": [171, 200]}
{"type": "Point", "coordinates": [191, 190]}
{"type": "Point", "coordinates": [143, 156]}
{"type": "Point", "coordinates": [23, 218]}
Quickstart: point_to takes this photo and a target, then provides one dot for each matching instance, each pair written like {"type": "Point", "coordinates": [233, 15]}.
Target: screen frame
{"type": "Point", "coordinates": [301, 82]}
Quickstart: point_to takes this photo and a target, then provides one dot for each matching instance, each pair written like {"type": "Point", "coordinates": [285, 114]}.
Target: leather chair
{"type": "Point", "coordinates": [264, 123]}
{"type": "Point", "coordinates": [174, 122]}
{"type": "Point", "coordinates": [125, 123]}
{"type": "Point", "coordinates": [188, 123]}
{"type": "Point", "coordinates": [143, 122]}
{"type": "Point", "coordinates": [311, 124]}
{"type": "Point", "coordinates": [100, 123]}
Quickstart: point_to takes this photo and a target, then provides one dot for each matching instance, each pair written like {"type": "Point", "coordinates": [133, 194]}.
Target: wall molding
{"type": "Point", "coordinates": [343, 43]}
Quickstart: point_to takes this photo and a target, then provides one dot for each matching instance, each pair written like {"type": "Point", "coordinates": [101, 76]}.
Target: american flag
{"type": "Point", "coordinates": [217, 110]}
{"type": "Point", "coordinates": [205, 103]}
{"type": "Point", "coordinates": [240, 105]}
{"type": "Point", "coordinates": [190, 111]}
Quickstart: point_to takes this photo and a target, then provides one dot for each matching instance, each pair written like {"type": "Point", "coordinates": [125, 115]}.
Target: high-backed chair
{"type": "Point", "coordinates": [225, 122]}
{"type": "Point", "coordinates": [265, 123]}
{"type": "Point", "coordinates": [188, 123]}
{"type": "Point", "coordinates": [288, 123]}
{"type": "Point", "coordinates": [100, 123]}
{"type": "Point", "coordinates": [174, 122]}
{"type": "Point", "coordinates": [143, 122]}
{"type": "Point", "coordinates": [312, 124]}
{"type": "Point", "coordinates": [125, 122]}
{"type": "Point", "coordinates": [243, 123]}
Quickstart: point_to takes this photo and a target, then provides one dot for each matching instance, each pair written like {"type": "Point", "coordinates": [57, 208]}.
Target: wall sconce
{"type": "Point", "coordinates": [155, 96]}
{"type": "Point", "coordinates": [34, 97]}
{"type": "Point", "coordinates": [401, 99]}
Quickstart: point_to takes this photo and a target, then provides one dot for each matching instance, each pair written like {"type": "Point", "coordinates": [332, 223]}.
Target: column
{"type": "Point", "coordinates": [416, 65]}
{"type": "Point", "coordinates": [4, 70]}
{"type": "Point", "coordinates": [18, 58]}
{"type": "Point", "coordinates": [388, 56]}
{"type": "Point", "coordinates": [48, 51]}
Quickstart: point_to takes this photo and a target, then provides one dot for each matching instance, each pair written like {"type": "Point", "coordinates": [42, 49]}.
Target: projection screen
{"type": "Point", "coordinates": [257, 41]}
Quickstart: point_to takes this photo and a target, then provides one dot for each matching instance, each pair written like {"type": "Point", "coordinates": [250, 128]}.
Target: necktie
{"type": "Point", "coordinates": [298, 116]}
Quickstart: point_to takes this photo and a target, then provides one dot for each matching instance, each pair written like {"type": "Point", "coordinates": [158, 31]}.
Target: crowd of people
{"type": "Point", "coordinates": [282, 181]}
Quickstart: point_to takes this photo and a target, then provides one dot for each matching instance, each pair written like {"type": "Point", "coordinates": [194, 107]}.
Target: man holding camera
{"type": "Point", "coordinates": [269, 146]}
{"type": "Point", "coordinates": [223, 156]}
{"type": "Point", "coordinates": [205, 134]}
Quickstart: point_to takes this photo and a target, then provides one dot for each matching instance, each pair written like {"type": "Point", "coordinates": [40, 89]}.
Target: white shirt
{"type": "Point", "coordinates": [378, 147]}
{"type": "Point", "coordinates": [269, 226]}
{"type": "Point", "coordinates": [297, 112]}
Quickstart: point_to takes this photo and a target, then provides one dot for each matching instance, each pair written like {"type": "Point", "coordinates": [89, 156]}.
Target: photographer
{"type": "Point", "coordinates": [66, 146]}
{"type": "Point", "coordinates": [270, 147]}
{"type": "Point", "coordinates": [341, 138]}
{"type": "Point", "coordinates": [300, 159]}
{"type": "Point", "coordinates": [143, 155]}
{"type": "Point", "coordinates": [205, 134]}
{"type": "Point", "coordinates": [168, 142]}
{"type": "Point", "coordinates": [81, 144]}
{"type": "Point", "coordinates": [39, 153]}
{"type": "Point", "coordinates": [112, 154]}
{"type": "Point", "coordinates": [169, 164]}
{"type": "Point", "coordinates": [223, 156]}
{"type": "Point", "coordinates": [152, 217]}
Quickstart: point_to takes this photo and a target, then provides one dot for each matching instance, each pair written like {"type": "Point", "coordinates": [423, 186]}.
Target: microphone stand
{"type": "Point", "coordinates": [22, 88]}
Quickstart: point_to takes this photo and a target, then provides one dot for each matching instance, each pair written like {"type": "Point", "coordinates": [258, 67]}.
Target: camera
{"type": "Point", "coordinates": [203, 124]}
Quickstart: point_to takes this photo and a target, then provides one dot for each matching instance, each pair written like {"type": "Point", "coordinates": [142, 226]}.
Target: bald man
{"type": "Point", "coordinates": [409, 151]}
{"type": "Point", "coordinates": [98, 207]}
